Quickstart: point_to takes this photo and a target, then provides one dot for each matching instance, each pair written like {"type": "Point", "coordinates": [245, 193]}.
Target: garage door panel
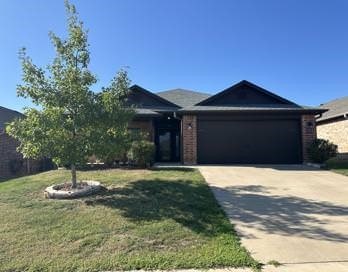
{"type": "Point", "coordinates": [249, 141]}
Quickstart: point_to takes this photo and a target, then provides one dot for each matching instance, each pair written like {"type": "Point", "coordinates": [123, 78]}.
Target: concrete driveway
{"type": "Point", "coordinates": [295, 215]}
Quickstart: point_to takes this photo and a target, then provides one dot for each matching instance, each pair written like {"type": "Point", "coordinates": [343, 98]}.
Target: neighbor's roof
{"type": "Point", "coordinates": [337, 108]}
{"type": "Point", "coordinates": [8, 115]}
{"type": "Point", "coordinates": [182, 97]}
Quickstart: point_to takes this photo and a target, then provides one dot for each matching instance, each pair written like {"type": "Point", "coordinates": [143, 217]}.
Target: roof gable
{"type": "Point", "coordinates": [245, 93]}
{"type": "Point", "coordinates": [142, 98]}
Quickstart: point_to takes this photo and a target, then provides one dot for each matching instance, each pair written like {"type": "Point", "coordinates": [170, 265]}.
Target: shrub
{"type": "Point", "coordinates": [321, 150]}
{"type": "Point", "coordinates": [142, 153]}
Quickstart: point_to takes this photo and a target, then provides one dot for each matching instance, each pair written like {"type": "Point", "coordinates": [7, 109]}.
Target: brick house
{"type": "Point", "coordinates": [333, 124]}
{"type": "Point", "coordinates": [11, 161]}
{"type": "Point", "coordinates": [242, 124]}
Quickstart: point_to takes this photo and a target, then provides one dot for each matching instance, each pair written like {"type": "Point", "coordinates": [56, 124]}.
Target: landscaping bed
{"type": "Point", "coordinates": [150, 219]}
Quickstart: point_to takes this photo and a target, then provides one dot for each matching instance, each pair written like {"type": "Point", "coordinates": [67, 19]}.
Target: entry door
{"type": "Point", "coordinates": [168, 145]}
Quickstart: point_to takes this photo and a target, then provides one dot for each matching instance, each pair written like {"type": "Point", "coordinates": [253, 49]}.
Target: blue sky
{"type": "Point", "coordinates": [297, 49]}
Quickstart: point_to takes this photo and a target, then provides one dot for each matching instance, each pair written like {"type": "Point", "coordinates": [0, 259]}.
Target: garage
{"type": "Point", "coordinates": [249, 140]}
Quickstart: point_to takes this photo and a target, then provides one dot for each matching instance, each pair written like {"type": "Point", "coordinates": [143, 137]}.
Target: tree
{"type": "Point", "coordinates": [114, 139]}
{"type": "Point", "coordinates": [70, 121]}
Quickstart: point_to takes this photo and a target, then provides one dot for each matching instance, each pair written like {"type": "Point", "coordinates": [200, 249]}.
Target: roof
{"type": "Point", "coordinates": [146, 112]}
{"type": "Point", "coordinates": [165, 103]}
{"type": "Point", "coordinates": [186, 101]}
{"type": "Point", "coordinates": [337, 108]}
{"type": "Point", "coordinates": [250, 85]}
{"type": "Point", "coordinates": [8, 115]}
{"type": "Point", "coordinates": [258, 108]}
{"type": "Point", "coordinates": [182, 97]}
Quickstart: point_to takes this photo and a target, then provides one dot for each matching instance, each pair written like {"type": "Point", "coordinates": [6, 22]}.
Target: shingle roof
{"type": "Point", "coordinates": [146, 112]}
{"type": "Point", "coordinates": [7, 115]}
{"type": "Point", "coordinates": [245, 83]}
{"type": "Point", "coordinates": [337, 108]}
{"type": "Point", "coordinates": [183, 98]}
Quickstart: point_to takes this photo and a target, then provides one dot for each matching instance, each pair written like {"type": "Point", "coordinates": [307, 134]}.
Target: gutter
{"type": "Point", "coordinates": [328, 119]}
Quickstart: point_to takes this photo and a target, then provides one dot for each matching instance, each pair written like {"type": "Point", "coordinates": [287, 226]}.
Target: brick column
{"type": "Point", "coordinates": [309, 133]}
{"type": "Point", "coordinates": [189, 139]}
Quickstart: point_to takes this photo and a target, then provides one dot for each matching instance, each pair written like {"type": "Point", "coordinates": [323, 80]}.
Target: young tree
{"type": "Point", "coordinates": [114, 139]}
{"type": "Point", "coordinates": [71, 120]}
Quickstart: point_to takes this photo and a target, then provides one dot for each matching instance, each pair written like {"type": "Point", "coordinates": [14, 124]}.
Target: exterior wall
{"type": "Point", "coordinates": [309, 133]}
{"type": "Point", "coordinates": [189, 139]}
{"type": "Point", "coordinates": [145, 126]}
{"type": "Point", "coordinates": [8, 153]}
{"type": "Point", "coordinates": [336, 132]}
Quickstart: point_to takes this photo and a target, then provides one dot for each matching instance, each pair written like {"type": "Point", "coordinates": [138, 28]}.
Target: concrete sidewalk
{"type": "Point", "coordinates": [309, 267]}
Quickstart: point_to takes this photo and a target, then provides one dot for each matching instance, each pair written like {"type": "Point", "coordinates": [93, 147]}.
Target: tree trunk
{"type": "Point", "coordinates": [73, 176]}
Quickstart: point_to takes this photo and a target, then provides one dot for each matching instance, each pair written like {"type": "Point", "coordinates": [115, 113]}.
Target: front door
{"type": "Point", "coordinates": [168, 148]}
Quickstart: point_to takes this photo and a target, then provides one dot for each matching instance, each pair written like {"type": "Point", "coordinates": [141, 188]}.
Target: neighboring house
{"type": "Point", "coordinates": [333, 124]}
{"type": "Point", "coordinates": [242, 124]}
{"type": "Point", "coordinates": [11, 161]}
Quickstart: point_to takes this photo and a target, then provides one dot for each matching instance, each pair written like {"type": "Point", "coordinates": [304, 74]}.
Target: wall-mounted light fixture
{"type": "Point", "coordinates": [189, 126]}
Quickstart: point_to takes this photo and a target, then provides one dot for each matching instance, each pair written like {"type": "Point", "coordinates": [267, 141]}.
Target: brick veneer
{"type": "Point", "coordinates": [336, 132]}
{"type": "Point", "coordinates": [145, 126]}
{"type": "Point", "coordinates": [189, 138]}
{"type": "Point", "coordinates": [309, 133]}
{"type": "Point", "coordinates": [8, 152]}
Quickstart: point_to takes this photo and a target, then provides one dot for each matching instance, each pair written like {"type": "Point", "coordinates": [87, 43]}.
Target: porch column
{"type": "Point", "coordinates": [309, 134]}
{"type": "Point", "coordinates": [189, 139]}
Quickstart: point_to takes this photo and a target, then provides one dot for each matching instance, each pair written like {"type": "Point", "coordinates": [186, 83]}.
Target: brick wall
{"type": "Point", "coordinates": [8, 153]}
{"type": "Point", "coordinates": [309, 134]}
{"type": "Point", "coordinates": [189, 139]}
{"type": "Point", "coordinates": [145, 126]}
{"type": "Point", "coordinates": [336, 132]}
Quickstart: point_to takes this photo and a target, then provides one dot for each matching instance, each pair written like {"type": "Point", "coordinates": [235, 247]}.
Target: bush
{"type": "Point", "coordinates": [321, 150]}
{"type": "Point", "coordinates": [142, 153]}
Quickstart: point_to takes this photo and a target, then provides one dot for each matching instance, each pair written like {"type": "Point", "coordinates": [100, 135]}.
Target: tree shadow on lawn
{"type": "Point", "coordinates": [189, 204]}
{"type": "Point", "coordinates": [256, 208]}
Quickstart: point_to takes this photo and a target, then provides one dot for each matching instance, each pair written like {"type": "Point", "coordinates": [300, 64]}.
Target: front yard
{"type": "Point", "coordinates": [151, 219]}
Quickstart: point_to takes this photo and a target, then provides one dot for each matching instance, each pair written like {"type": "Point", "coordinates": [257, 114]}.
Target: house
{"type": "Point", "coordinates": [333, 124]}
{"type": "Point", "coordinates": [11, 161]}
{"type": "Point", "coordinates": [242, 124]}
{"type": "Point", "coordinates": [9, 157]}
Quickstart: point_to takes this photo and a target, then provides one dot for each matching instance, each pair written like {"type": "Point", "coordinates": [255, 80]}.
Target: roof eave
{"type": "Point", "coordinates": [302, 111]}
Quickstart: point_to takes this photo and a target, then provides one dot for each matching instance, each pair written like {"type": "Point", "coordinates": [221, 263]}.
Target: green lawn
{"type": "Point", "coordinates": [338, 165]}
{"type": "Point", "coordinates": [151, 219]}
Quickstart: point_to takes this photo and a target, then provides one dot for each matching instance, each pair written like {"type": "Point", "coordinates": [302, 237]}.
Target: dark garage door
{"type": "Point", "coordinates": [249, 141]}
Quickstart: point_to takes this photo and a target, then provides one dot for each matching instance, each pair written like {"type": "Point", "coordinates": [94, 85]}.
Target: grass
{"type": "Point", "coordinates": [338, 165]}
{"type": "Point", "coordinates": [274, 263]}
{"type": "Point", "coordinates": [150, 219]}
